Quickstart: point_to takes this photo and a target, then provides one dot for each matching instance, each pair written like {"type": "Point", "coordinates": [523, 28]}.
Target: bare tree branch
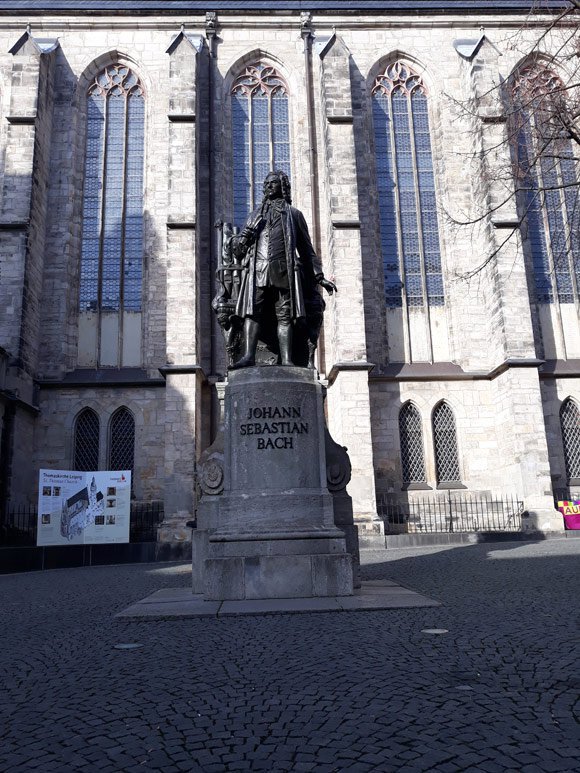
{"type": "Point", "coordinates": [536, 158]}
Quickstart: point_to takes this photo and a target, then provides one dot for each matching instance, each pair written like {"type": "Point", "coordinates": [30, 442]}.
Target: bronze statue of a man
{"type": "Point", "coordinates": [280, 273]}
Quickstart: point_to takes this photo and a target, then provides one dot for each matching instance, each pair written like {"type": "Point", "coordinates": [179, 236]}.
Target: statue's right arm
{"type": "Point", "coordinates": [241, 245]}
{"type": "Point", "coordinates": [248, 235]}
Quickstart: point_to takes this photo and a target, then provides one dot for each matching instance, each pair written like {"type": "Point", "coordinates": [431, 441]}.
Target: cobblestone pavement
{"type": "Point", "coordinates": [355, 691]}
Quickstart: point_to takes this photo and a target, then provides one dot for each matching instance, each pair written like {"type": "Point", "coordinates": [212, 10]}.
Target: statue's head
{"type": "Point", "coordinates": [277, 185]}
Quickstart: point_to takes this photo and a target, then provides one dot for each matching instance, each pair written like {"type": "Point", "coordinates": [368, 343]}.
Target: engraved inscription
{"type": "Point", "coordinates": [274, 434]}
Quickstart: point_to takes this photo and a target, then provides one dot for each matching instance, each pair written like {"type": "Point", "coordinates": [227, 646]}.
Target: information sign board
{"type": "Point", "coordinates": [83, 508]}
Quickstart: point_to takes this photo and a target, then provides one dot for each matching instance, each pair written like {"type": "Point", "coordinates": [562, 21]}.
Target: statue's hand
{"type": "Point", "coordinates": [329, 286]}
{"type": "Point", "coordinates": [241, 244]}
{"type": "Point", "coordinates": [248, 234]}
{"type": "Point", "coordinates": [245, 240]}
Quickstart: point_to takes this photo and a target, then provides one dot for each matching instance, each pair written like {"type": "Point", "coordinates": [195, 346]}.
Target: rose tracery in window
{"type": "Point", "coordinates": [260, 133]}
{"type": "Point", "coordinates": [261, 78]}
{"type": "Point", "coordinates": [116, 81]}
{"type": "Point", "coordinates": [398, 76]}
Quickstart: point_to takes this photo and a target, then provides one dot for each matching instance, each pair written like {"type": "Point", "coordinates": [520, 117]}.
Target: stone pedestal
{"type": "Point", "coordinates": [273, 534]}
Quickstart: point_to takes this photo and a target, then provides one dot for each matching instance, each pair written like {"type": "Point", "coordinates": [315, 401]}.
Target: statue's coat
{"type": "Point", "coordinates": [303, 263]}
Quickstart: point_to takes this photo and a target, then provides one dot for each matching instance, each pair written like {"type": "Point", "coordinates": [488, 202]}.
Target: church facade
{"type": "Point", "coordinates": [451, 352]}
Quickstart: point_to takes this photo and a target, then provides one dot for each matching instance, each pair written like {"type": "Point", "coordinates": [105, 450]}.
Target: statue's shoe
{"type": "Point", "coordinates": [243, 362]}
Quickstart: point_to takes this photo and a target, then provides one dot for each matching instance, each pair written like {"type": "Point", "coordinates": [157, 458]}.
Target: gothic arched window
{"type": "Point", "coordinates": [570, 426]}
{"type": "Point", "coordinates": [86, 441]}
{"type": "Point", "coordinates": [445, 442]}
{"type": "Point", "coordinates": [122, 440]}
{"type": "Point", "coordinates": [408, 211]}
{"type": "Point", "coordinates": [260, 133]}
{"type": "Point", "coordinates": [546, 177]}
{"type": "Point", "coordinates": [112, 235]}
{"type": "Point", "coordinates": [411, 437]}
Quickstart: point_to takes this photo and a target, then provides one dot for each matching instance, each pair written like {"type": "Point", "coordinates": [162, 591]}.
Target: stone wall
{"type": "Point", "coordinates": [487, 323]}
{"type": "Point", "coordinates": [54, 435]}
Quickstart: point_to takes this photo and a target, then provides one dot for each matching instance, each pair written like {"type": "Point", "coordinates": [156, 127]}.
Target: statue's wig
{"type": "Point", "coordinates": [284, 182]}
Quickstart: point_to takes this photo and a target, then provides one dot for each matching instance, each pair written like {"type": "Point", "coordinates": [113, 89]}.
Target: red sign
{"type": "Point", "coordinates": [571, 512]}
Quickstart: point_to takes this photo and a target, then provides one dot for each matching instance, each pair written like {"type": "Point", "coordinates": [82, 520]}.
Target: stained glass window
{"type": "Point", "coordinates": [86, 441]}
{"type": "Point", "coordinates": [260, 134]}
{"type": "Point", "coordinates": [411, 438]}
{"type": "Point", "coordinates": [546, 176]}
{"type": "Point", "coordinates": [112, 237]}
{"type": "Point", "coordinates": [409, 225]}
{"type": "Point", "coordinates": [445, 441]}
{"type": "Point", "coordinates": [122, 440]}
{"type": "Point", "coordinates": [570, 425]}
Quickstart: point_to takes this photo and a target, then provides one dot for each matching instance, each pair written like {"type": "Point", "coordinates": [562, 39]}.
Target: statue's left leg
{"type": "Point", "coordinates": [284, 330]}
{"type": "Point", "coordinates": [314, 323]}
{"type": "Point", "coordinates": [312, 346]}
{"type": "Point", "coordinates": [285, 342]}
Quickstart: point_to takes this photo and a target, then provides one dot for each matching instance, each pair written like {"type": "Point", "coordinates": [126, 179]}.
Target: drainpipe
{"type": "Point", "coordinates": [307, 36]}
{"type": "Point", "coordinates": [211, 35]}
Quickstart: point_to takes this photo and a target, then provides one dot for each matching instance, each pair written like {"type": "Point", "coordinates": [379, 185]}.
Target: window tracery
{"type": "Point", "coordinates": [411, 439]}
{"type": "Point", "coordinates": [409, 225]}
{"type": "Point", "coordinates": [122, 440]}
{"type": "Point", "coordinates": [546, 176]}
{"type": "Point", "coordinates": [260, 133]}
{"type": "Point", "coordinates": [112, 231]}
{"type": "Point", "coordinates": [445, 443]}
{"type": "Point", "coordinates": [86, 441]}
{"type": "Point", "coordinates": [570, 426]}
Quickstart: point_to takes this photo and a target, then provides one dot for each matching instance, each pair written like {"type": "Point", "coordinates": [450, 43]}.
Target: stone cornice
{"type": "Point", "coordinates": [102, 378]}
{"type": "Point", "coordinates": [560, 369]}
{"type": "Point", "coordinates": [15, 225]}
{"type": "Point", "coordinates": [26, 120]}
{"type": "Point", "coordinates": [183, 369]}
{"type": "Point", "coordinates": [181, 117]}
{"type": "Point", "coordinates": [175, 223]}
{"type": "Point", "coordinates": [340, 119]}
{"type": "Point", "coordinates": [345, 224]}
{"type": "Point", "coordinates": [447, 371]}
{"type": "Point", "coordinates": [7, 397]}
{"type": "Point", "coordinates": [169, 7]}
{"type": "Point", "coordinates": [348, 365]}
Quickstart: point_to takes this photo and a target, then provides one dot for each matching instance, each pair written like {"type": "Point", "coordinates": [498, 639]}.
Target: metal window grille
{"type": "Point", "coordinates": [570, 424]}
{"type": "Point", "coordinates": [411, 437]}
{"type": "Point", "coordinates": [445, 441]}
{"type": "Point", "coordinates": [409, 225]}
{"type": "Point", "coordinates": [112, 237]}
{"type": "Point", "coordinates": [547, 173]}
{"type": "Point", "coordinates": [122, 440]}
{"type": "Point", "coordinates": [86, 441]}
{"type": "Point", "coordinates": [260, 134]}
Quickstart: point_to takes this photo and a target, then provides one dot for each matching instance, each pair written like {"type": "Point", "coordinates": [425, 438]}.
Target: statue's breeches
{"type": "Point", "coordinates": [276, 296]}
{"type": "Point", "coordinates": [272, 273]}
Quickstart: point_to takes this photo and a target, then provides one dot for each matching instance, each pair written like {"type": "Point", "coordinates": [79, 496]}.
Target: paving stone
{"type": "Point", "coordinates": [353, 690]}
